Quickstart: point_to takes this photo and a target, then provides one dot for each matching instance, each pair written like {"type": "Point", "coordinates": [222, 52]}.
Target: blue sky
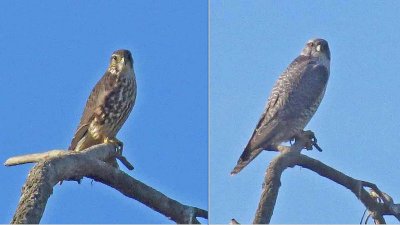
{"type": "Point", "coordinates": [357, 124]}
{"type": "Point", "coordinates": [52, 54]}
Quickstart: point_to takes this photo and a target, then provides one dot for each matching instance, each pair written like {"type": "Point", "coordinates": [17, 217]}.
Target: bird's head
{"type": "Point", "coordinates": [317, 48]}
{"type": "Point", "coordinates": [121, 60]}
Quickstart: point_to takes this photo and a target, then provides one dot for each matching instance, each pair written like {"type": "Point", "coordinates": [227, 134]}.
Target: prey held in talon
{"type": "Point", "coordinates": [292, 103]}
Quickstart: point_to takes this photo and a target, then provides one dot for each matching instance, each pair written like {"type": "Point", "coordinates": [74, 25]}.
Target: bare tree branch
{"type": "Point", "coordinates": [290, 157]}
{"type": "Point", "coordinates": [36, 157]}
{"type": "Point", "coordinates": [272, 182]}
{"type": "Point", "coordinates": [57, 166]}
{"type": "Point", "coordinates": [31, 158]}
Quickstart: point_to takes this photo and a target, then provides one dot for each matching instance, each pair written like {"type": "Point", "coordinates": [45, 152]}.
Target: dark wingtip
{"type": "Point", "coordinates": [239, 166]}
{"type": "Point", "coordinates": [247, 156]}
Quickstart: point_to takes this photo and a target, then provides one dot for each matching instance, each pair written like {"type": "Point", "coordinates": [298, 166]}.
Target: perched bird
{"type": "Point", "coordinates": [293, 101]}
{"type": "Point", "coordinates": [109, 104]}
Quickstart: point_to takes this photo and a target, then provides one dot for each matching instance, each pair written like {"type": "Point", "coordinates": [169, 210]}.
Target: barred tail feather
{"type": "Point", "coordinates": [247, 156]}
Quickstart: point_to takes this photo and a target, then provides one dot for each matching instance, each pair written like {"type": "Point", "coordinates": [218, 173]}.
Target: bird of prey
{"type": "Point", "coordinates": [109, 104]}
{"type": "Point", "coordinates": [293, 101]}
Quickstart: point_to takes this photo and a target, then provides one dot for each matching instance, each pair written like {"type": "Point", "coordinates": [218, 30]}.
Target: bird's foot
{"type": "Point", "coordinates": [119, 144]}
{"type": "Point", "coordinates": [309, 139]}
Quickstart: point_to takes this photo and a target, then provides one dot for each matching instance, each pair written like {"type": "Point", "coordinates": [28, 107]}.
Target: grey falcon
{"type": "Point", "coordinates": [293, 101]}
{"type": "Point", "coordinates": [109, 104]}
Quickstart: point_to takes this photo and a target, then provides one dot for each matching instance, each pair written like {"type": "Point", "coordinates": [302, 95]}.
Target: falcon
{"type": "Point", "coordinates": [109, 104]}
{"type": "Point", "coordinates": [293, 101]}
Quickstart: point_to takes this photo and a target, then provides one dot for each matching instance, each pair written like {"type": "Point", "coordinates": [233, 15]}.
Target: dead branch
{"type": "Point", "coordinates": [36, 157]}
{"type": "Point", "coordinates": [55, 166]}
{"type": "Point", "coordinates": [290, 157]}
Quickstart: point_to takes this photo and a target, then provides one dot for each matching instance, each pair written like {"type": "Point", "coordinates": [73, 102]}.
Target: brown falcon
{"type": "Point", "coordinates": [109, 104]}
{"type": "Point", "coordinates": [293, 101]}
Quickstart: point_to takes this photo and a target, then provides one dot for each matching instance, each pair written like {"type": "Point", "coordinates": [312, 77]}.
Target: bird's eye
{"type": "Point", "coordinates": [318, 48]}
{"type": "Point", "coordinates": [114, 57]}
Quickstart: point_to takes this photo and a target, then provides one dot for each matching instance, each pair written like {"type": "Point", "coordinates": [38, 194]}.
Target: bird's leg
{"type": "Point", "coordinates": [309, 139]}
{"type": "Point", "coordinates": [314, 140]}
{"type": "Point", "coordinates": [120, 145]}
{"type": "Point", "coordinates": [115, 141]}
{"type": "Point", "coordinates": [304, 137]}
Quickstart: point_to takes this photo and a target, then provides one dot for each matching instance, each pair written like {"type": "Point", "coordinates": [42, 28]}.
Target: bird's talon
{"type": "Point", "coordinates": [310, 140]}
{"type": "Point", "coordinates": [119, 145]}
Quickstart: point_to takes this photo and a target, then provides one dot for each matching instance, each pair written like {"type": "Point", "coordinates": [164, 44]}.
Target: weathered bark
{"type": "Point", "coordinates": [272, 182]}
{"type": "Point", "coordinates": [290, 157]}
{"type": "Point", "coordinates": [66, 165]}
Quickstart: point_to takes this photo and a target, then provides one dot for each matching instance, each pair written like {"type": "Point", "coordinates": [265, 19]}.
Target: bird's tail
{"type": "Point", "coordinates": [247, 156]}
{"type": "Point", "coordinates": [81, 138]}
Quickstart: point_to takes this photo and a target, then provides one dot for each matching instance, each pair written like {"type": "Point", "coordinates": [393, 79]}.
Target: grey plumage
{"type": "Point", "coordinates": [293, 101]}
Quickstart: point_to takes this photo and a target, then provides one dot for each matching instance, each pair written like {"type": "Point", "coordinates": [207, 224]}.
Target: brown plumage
{"type": "Point", "coordinates": [109, 104]}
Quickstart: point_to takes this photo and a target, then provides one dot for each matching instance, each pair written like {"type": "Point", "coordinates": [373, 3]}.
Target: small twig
{"type": "Point", "coordinates": [317, 146]}
{"type": "Point", "coordinates": [366, 219]}
{"type": "Point", "coordinates": [363, 215]}
{"type": "Point", "coordinates": [125, 162]}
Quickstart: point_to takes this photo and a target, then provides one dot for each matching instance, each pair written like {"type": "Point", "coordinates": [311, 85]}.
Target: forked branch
{"type": "Point", "coordinates": [55, 166]}
{"type": "Point", "coordinates": [290, 157]}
